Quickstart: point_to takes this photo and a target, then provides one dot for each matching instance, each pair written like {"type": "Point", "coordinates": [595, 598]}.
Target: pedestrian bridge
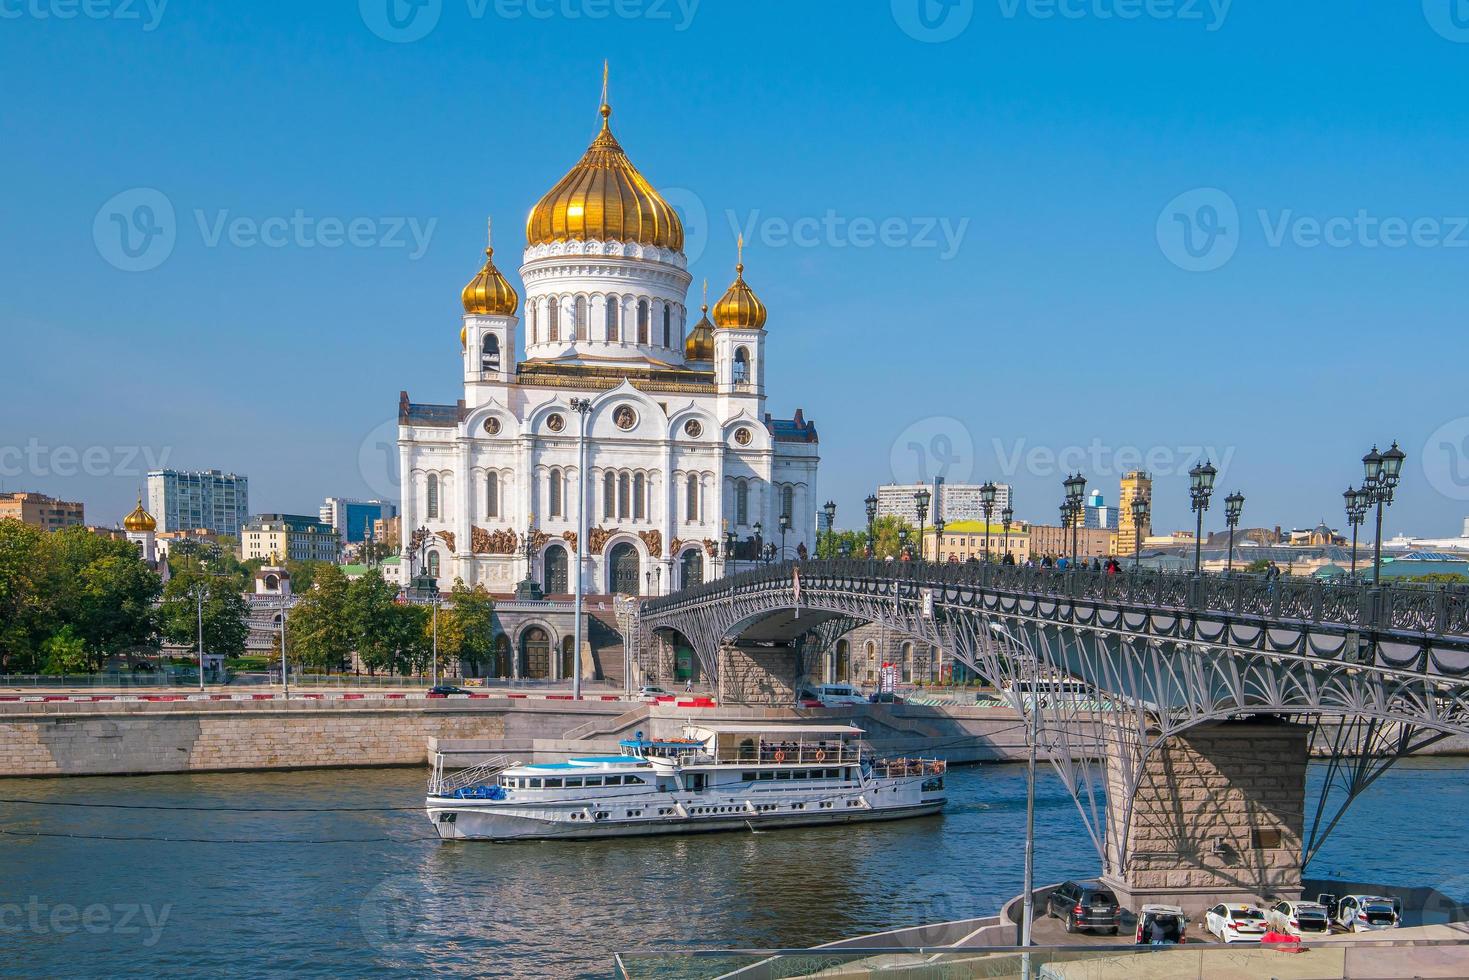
{"type": "Point", "coordinates": [1212, 677]}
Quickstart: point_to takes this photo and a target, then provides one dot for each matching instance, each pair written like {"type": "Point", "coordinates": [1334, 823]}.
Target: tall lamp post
{"type": "Point", "coordinates": [987, 504]}
{"type": "Point", "coordinates": [1383, 472]}
{"type": "Point", "coordinates": [938, 540]}
{"type": "Point", "coordinates": [871, 503]}
{"type": "Point", "coordinates": [199, 596]}
{"type": "Point", "coordinates": [1357, 504]}
{"type": "Point", "coordinates": [921, 499]}
{"type": "Point", "coordinates": [1007, 517]}
{"type": "Point", "coordinates": [1234, 506]}
{"type": "Point", "coordinates": [1075, 500]}
{"type": "Point", "coordinates": [581, 406]}
{"type": "Point", "coordinates": [785, 525]}
{"type": "Point", "coordinates": [729, 546]}
{"type": "Point", "coordinates": [1201, 488]}
{"type": "Point", "coordinates": [1139, 518]}
{"type": "Point", "coordinates": [903, 552]}
{"type": "Point", "coordinates": [830, 510]}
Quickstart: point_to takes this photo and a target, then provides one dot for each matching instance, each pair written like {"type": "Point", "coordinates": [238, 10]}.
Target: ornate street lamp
{"type": "Point", "coordinates": [830, 510]}
{"type": "Point", "coordinates": [987, 504]}
{"type": "Point", "coordinates": [1075, 485]}
{"type": "Point", "coordinates": [1007, 517]}
{"type": "Point", "coordinates": [1357, 503]}
{"type": "Point", "coordinates": [1234, 505]}
{"type": "Point", "coordinates": [1383, 470]}
{"type": "Point", "coordinates": [871, 503]}
{"type": "Point", "coordinates": [729, 543]}
{"type": "Point", "coordinates": [530, 588]}
{"type": "Point", "coordinates": [1139, 518]}
{"type": "Point", "coordinates": [938, 540]}
{"type": "Point", "coordinates": [922, 499]}
{"type": "Point", "coordinates": [1201, 488]}
{"type": "Point", "coordinates": [785, 525]}
{"type": "Point", "coordinates": [903, 553]}
{"type": "Point", "coordinates": [1065, 523]}
{"type": "Point", "coordinates": [844, 549]}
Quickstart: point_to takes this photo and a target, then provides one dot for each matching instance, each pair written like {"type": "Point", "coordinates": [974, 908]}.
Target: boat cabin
{"type": "Point", "coordinates": [743, 745]}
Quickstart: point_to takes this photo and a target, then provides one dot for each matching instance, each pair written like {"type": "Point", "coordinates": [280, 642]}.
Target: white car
{"type": "Point", "coordinates": [1235, 923]}
{"type": "Point", "coordinates": [1304, 919]}
{"type": "Point", "coordinates": [1368, 913]}
{"type": "Point", "coordinates": [653, 693]}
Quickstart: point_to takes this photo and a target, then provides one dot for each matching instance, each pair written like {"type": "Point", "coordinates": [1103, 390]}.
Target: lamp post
{"type": "Point", "coordinates": [1007, 517]}
{"type": "Point", "coordinates": [938, 540]}
{"type": "Point", "coordinates": [1139, 518]}
{"type": "Point", "coordinates": [871, 502]}
{"type": "Point", "coordinates": [1065, 523]}
{"type": "Point", "coordinates": [434, 668]}
{"type": "Point", "coordinates": [1234, 505]}
{"type": "Point", "coordinates": [903, 553]}
{"type": "Point", "coordinates": [729, 544]}
{"type": "Point", "coordinates": [199, 596]}
{"type": "Point", "coordinates": [1201, 487]}
{"type": "Point", "coordinates": [1357, 504]}
{"type": "Point", "coordinates": [285, 677]}
{"type": "Point", "coordinates": [581, 406]}
{"type": "Point", "coordinates": [921, 500]}
{"type": "Point", "coordinates": [987, 504]}
{"type": "Point", "coordinates": [1383, 471]}
{"type": "Point", "coordinates": [529, 589]}
{"type": "Point", "coordinates": [1075, 496]}
{"type": "Point", "coordinates": [785, 525]}
{"type": "Point", "coordinates": [830, 510]}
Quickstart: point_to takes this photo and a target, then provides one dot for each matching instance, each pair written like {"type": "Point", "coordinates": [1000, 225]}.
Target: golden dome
{"type": "Point", "coordinates": [489, 294]}
{"type": "Point", "coordinates": [700, 345]}
{"type": "Point", "coordinates": [139, 521]}
{"type": "Point", "coordinates": [604, 198]}
{"type": "Point", "coordinates": [740, 307]}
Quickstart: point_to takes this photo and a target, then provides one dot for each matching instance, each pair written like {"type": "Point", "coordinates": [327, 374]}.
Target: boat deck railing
{"type": "Point", "coordinates": [442, 785]}
{"type": "Point", "coordinates": [796, 753]}
{"type": "Point", "coordinates": [890, 768]}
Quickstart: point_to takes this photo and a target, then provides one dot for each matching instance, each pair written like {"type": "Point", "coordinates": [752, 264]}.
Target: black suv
{"type": "Point", "coordinates": [1084, 905]}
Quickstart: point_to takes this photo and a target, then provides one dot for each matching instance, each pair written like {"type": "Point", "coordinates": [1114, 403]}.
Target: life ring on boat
{"type": "Point", "coordinates": [821, 755]}
{"type": "Point", "coordinates": [780, 756]}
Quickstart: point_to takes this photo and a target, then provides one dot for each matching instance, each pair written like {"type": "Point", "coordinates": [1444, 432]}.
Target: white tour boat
{"type": "Point", "coordinates": [716, 777]}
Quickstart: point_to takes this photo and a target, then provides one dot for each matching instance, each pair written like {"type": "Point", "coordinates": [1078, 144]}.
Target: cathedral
{"type": "Point", "coordinates": [659, 429]}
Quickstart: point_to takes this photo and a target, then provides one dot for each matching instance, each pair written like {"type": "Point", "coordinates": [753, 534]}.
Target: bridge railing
{"type": "Point", "coordinates": [1406, 607]}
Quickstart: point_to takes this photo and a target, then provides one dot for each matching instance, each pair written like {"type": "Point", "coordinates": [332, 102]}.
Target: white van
{"type": "Point", "coordinates": [833, 695]}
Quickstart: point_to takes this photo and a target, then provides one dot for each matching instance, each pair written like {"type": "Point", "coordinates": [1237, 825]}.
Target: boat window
{"type": "Point", "coordinates": [573, 781]}
{"type": "Point", "coordinates": [593, 781]}
{"type": "Point", "coordinates": [749, 777]}
{"type": "Point", "coordinates": [767, 774]}
{"type": "Point", "coordinates": [783, 774]}
{"type": "Point", "coordinates": [833, 774]}
{"type": "Point", "coordinates": [533, 784]}
{"type": "Point", "coordinates": [630, 780]}
{"type": "Point", "coordinates": [553, 782]}
{"type": "Point", "coordinates": [613, 781]}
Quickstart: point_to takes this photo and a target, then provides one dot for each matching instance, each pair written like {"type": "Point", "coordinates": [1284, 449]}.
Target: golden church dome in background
{"type": "Point", "coordinates": [139, 521]}
{"type": "Point", "coordinates": [489, 293]}
{"type": "Point", "coordinates": [604, 198]}
{"type": "Point", "coordinates": [740, 307]}
{"type": "Point", "coordinates": [700, 343]}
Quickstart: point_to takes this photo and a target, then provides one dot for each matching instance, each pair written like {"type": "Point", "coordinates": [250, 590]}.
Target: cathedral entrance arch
{"type": "Point", "coordinates": [624, 570]}
{"type": "Point", "coordinates": [691, 568]}
{"type": "Point", "coordinates": [535, 654]}
{"type": "Point", "coordinates": [555, 568]}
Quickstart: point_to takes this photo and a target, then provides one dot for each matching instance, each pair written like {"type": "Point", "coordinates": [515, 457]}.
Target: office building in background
{"type": "Point", "coordinates": [208, 499]}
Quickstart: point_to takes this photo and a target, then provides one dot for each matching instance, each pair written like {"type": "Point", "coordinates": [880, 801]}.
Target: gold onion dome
{"type": "Point", "coordinates": [604, 198]}
{"type": "Point", "coordinates": [489, 294]}
{"type": "Point", "coordinates": [139, 521]}
{"type": "Point", "coordinates": [740, 307]}
{"type": "Point", "coordinates": [700, 345]}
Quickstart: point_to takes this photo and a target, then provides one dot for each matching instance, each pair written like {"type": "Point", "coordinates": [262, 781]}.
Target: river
{"type": "Point", "coordinates": [406, 903]}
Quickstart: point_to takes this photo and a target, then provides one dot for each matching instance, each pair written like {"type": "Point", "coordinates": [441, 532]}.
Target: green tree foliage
{"type": "Point", "coordinates": [830, 545]}
{"type": "Point", "coordinates": [65, 653]}
{"type": "Point", "coordinates": [888, 531]}
{"type": "Point", "coordinates": [467, 628]}
{"type": "Point", "coordinates": [226, 623]}
{"type": "Point", "coordinates": [26, 597]}
{"type": "Point", "coordinates": [319, 633]}
{"type": "Point", "coordinates": [389, 637]}
{"type": "Point", "coordinates": [218, 558]}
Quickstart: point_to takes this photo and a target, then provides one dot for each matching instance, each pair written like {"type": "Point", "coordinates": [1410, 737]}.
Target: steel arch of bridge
{"type": "Point", "coordinates": [1376, 673]}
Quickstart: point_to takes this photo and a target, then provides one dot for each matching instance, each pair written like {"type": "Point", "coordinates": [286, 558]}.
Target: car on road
{"type": "Point", "coordinates": [651, 693]}
{"type": "Point", "coordinates": [1235, 923]}
{"type": "Point", "coordinates": [1160, 925]}
{"type": "Point", "coordinates": [1368, 913]}
{"type": "Point", "coordinates": [1084, 905]}
{"type": "Point", "coordinates": [1303, 919]}
{"type": "Point", "coordinates": [884, 697]}
{"type": "Point", "coordinates": [444, 690]}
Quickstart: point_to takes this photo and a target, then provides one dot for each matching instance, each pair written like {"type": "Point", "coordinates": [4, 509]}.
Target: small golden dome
{"type": "Point", "coordinates": [700, 344]}
{"type": "Point", "coordinates": [489, 294]}
{"type": "Point", "coordinates": [740, 307]}
{"type": "Point", "coordinates": [139, 521]}
{"type": "Point", "coordinates": [604, 198]}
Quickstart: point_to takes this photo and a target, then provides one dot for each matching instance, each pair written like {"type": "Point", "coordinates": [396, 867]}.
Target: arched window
{"type": "Point", "coordinates": [556, 503]}
{"type": "Point", "coordinates": [613, 317]}
{"type": "Point", "coordinates": [580, 318]}
{"type": "Point", "coordinates": [433, 564]}
{"type": "Point", "coordinates": [907, 663]}
{"type": "Point", "coordinates": [692, 567]}
{"type": "Point", "coordinates": [642, 321]}
{"type": "Point", "coordinates": [624, 508]}
{"type": "Point", "coordinates": [492, 495]}
{"type": "Point", "coordinates": [639, 497]}
{"type": "Point", "coordinates": [531, 332]}
{"type": "Point", "coordinates": [741, 366]}
{"type": "Point", "coordinates": [692, 513]}
{"type": "Point", "coordinates": [667, 327]}
{"type": "Point", "coordinates": [555, 317]}
{"type": "Point", "coordinates": [742, 503]}
{"type": "Point", "coordinates": [433, 496]}
{"type": "Point", "coordinates": [788, 502]}
{"type": "Point", "coordinates": [489, 360]}
{"type": "Point", "coordinates": [609, 496]}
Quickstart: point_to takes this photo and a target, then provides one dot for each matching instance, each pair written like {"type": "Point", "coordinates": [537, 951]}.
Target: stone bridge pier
{"type": "Point", "coordinates": [1214, 813]}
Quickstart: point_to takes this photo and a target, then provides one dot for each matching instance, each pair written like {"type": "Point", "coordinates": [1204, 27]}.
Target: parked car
{"type": "Point", "coordinates": [1303, 919]}
{"type": "Point", "coordinates": [884, 697]}
{"type": "Point", "coordinates": [1085, 905]}
{"type": "Point", "coordinates": [1160, 925]}
{"type": "Point", "coordinates": [651, 693]}
{"type": "Point", "coordinates": [444, 690]}
{"type": "Point", "coordinates": [1366, 913]}
{"type": "Point", "coordinates": [1235, 923]}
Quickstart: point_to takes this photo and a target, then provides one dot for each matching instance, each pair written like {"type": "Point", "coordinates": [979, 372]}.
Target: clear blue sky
{"type": "Point", "coordinates": [1056, 142]}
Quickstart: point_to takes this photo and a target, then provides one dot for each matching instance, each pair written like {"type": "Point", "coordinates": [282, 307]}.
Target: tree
{"type": "Point", "coordinates": [467, 627]}
{"type": "Point", "coordinates": [1258, 567]}
{"type": "Point", "coordinates": [319, 631]}
{"type": "Point", "coordinates": [102, 587]}
{"type": "Point", "coordinates": [226, 614]}
{"type": "Point", "coordinates": [830, 545]}
{"type": "Point", "coordinates": [888, 532]}
{"type": "Point", "coordinates": [25, 599]}
{"type": "Point", "coordinates": [381, 628]}
{"type": "Point", "coordinates": [65, 653]}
